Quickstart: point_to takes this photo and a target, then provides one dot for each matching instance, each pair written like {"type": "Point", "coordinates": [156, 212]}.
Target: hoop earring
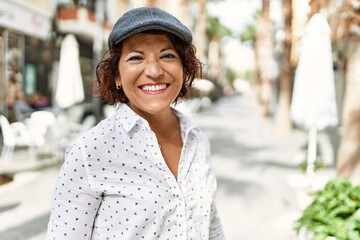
{"type": "Point", "coordinates": [118, 86]}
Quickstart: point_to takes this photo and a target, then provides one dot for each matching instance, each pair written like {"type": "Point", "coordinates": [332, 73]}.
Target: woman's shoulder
{"type": "Point", "coordinates": [102, 130]}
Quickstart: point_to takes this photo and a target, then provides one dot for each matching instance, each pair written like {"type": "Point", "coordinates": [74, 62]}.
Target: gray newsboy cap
{"type": "Point", "coordinates": [144, 18]}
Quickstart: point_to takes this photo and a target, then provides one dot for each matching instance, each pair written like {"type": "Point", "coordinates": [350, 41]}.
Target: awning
{"type": "Point", "coordinates": [25, 18]}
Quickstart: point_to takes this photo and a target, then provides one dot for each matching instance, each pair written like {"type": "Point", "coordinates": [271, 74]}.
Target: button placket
{"type": "Point", "coordinates": [181, 215]}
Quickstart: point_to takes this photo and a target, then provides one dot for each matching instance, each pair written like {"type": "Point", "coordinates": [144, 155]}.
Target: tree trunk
{"type": "Point", "coordinates": [200, 31]}
{"type": "Point", "coordinates": [264, 59]}
{"type": "Point", "coordinates": [348, 159]}
{"type": "Point", "coordinates": [282, 118]}
{"type": "Point", "coordinates": [185, 13]}
{"type": "Point", "coordinates": [151, 3]}
{"type": "Point", "coordinates": [214, 59]}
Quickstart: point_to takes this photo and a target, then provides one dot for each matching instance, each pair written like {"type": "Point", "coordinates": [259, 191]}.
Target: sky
{"type": "Point", "coordinates": [234, 14]}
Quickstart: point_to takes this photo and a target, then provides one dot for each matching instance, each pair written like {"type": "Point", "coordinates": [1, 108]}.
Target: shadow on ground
{"type": "Point", "coordinates": [29, 229]}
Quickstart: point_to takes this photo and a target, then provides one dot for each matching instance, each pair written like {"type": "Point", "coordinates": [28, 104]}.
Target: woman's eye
{"type": "Point", "coordinates": [134, 58]}
{"type": "Point", "coordinates": [168, 55]}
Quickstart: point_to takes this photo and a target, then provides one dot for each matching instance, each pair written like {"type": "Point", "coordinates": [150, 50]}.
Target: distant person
{"type": "Point", "coordinates": [38, 101]}
{"type": "Point", "coordinates": [144, 172]}
{"type": "Point", "coordinates": [18, 109]}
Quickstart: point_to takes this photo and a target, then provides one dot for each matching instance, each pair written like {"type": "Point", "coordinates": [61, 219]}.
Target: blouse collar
{"type": "Point", "coordinates": [128, 119]}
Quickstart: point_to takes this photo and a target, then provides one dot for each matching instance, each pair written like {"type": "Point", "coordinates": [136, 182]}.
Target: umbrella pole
{"type": "Point", "coordinates": [311, 154]}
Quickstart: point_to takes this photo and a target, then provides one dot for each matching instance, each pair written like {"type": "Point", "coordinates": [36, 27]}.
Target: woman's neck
{"type": "Point", "coordinates": [164, 124]}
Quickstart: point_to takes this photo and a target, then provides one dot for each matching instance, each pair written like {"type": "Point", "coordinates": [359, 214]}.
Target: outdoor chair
{"type": "Point", "coordinates": [75, 113]}
{"type": "Point", "coordinates": [76, 129]}
{"type": "Point", "coordinates": [65, 132]}
{"type": "Point", "coordinates": [39, 123]}
{"type": "Point", "coordinates": [16, 134]}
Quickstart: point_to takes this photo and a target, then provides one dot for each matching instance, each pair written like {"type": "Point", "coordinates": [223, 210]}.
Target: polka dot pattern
{"type": "Point", "coordinates": [115, 184]}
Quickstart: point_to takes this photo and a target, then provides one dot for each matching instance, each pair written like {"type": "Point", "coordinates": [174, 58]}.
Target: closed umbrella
{"type": "Point", "coordinates": [69, 89]}
{"type": "Point", "coordinates": [313, 104]}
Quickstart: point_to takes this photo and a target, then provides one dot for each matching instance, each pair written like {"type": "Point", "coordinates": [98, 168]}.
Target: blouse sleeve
{"type": "Point", "coordinates": [75, 202]}
{"type": "Point", "coordinates": [216, 230]}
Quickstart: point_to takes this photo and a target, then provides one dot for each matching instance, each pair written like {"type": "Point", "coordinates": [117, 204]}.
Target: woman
{"type": "Point", "coordinates": [143, 173]}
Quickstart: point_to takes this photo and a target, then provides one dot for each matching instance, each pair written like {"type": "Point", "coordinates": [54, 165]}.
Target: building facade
{"type": "Point", "coordinates": [25, 45]}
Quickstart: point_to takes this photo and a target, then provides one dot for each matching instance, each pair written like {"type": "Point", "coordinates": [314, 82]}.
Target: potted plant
{"type": "Point", "coordinates": [334, 212]}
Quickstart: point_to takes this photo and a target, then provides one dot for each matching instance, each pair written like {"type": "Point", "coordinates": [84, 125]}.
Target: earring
{"type": "Point", "coordinates": [118, 86]}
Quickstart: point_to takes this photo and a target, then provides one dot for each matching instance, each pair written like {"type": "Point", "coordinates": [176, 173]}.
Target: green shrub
{"type": "Point", "coordinates": [318, 164]}
{"type": "Point", "coordinates": [334, 211]}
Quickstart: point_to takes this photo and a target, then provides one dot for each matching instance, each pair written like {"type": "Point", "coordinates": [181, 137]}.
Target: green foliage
{"type": "Point", "coordinates": [248, 34]}
{"type": "Point", "coordinates": [215, 29]}
{"type": "Point", "coordinates": [334, 211]}
{"type": "Point", "coordinates": [231, 75]}
{"type": "Point", "coordinates": [318, 164]}
{"type": "Point", "coordinates": [247, 75]}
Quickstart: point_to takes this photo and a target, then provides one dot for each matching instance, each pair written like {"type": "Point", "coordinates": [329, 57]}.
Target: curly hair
{"type": "Point", "coordinates": [108, 70]}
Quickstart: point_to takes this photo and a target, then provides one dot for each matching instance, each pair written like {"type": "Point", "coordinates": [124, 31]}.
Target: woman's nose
{"type": "Point", "coordinates": [153, 69]}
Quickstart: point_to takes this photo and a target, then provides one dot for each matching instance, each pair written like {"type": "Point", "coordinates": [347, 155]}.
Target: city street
{"type": "Point", "coordinates": [253, 163]}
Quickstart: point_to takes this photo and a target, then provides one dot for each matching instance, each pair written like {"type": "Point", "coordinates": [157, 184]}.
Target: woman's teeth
{"type": "Point", "coordinates": [153, 88]}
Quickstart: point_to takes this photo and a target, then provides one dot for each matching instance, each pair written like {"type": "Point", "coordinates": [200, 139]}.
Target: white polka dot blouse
{"type": "Point", "coordinates": [115, 184]}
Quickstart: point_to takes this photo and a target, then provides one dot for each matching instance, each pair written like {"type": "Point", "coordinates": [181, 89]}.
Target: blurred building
{"type": "Point", "coordinates": [25, 44]}
{"type": "Point", "coordinates": [32, 31]}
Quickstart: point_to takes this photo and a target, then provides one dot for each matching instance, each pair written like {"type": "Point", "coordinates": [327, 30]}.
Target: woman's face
{"type": "Point", "coordinates": [151, 73]}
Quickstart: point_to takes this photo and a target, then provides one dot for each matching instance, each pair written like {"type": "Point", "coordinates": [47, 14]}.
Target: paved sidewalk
{"type": "Point", "coordinates": [25, 204]}
{"type": "Point", "coordinates": [20, 163]}
{"type": "Point", "coordinates": [259, 195]}
{"type": "Point", "coordinates": [260, 186]}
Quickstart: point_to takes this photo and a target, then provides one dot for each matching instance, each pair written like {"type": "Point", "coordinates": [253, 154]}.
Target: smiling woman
{"type": "Point", "coordinates": [144, 172]}
{"type": "Point", "coordinates": [151, 73]}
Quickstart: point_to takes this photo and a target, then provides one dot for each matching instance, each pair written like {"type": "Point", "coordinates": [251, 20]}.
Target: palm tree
{"type": "Point", "coordinates": [347, 39]}
{"type": "Point", "coordinates": [348, 159]}
{"type": "Point", "coordinates": [200, 29]}
{"type": "Point", "coordinates": [282, 118]}
{"type": "Point", "coordinates": [344, 22]}
{"type": "Point", "coordinates": [264, 59]}
{"type": "Point", "coordinates": [185, 13]}
{"type": "Point", "coordinates": [215, 31]}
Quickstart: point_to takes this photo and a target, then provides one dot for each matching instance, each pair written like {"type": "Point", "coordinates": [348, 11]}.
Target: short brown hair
{"type": "Point", "coordinates": [108, 70]}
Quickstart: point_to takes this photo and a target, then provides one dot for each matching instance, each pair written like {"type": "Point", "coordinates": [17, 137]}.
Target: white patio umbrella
{"type": "Point", "coordinates": [69, 89]}
{"type": "Point", "coordinates": [313, 104]}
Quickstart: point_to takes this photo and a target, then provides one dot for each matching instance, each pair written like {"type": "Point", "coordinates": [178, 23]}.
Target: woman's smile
{"type": "Point", "coordinates": [153, 89]}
